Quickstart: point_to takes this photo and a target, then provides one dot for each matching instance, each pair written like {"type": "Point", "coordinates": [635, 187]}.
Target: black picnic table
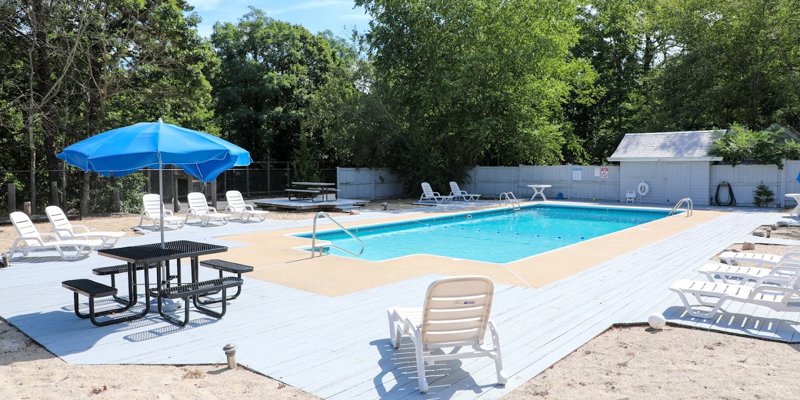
{"type": "Point", "coordinates": [323, 188]}
{"type": "Point", "coordinates": [155, 253]}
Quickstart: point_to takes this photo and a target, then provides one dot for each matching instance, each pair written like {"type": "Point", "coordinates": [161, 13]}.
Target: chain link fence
{"type": "Point", "coordinates": [87, 194]}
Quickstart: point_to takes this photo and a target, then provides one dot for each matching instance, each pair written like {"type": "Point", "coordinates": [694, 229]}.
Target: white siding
{"type": "Point", "coordinates": [668, 181]}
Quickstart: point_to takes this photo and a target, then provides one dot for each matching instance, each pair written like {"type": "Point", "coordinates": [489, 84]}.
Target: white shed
{"type": "Point", "coordinates": [673, 165]}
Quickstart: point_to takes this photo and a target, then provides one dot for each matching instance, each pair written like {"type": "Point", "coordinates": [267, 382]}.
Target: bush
{"type": "Point", "coordinates": [762, 196]}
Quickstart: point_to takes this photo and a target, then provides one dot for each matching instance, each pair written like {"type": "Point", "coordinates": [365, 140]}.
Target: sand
{"type": "Point", "coordinates": [676, 363]}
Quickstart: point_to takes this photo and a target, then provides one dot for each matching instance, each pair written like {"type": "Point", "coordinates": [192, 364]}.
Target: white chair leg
{"type": "Point", "coordinates": [393, 337]}
{"type": "Point", "coordinates": [423, 382]}
{"type": "Point", "coordinates": [498, 357]}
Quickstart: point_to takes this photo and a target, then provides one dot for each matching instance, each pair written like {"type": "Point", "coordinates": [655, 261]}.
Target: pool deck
{"type": "Point", "coordinates": [337, 346]}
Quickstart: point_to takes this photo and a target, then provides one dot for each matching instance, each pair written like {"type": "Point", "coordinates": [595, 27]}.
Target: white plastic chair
{"type": "Point", "coordinates": [726, 273]}
{"type": "Point", "coordinates": [151, 203]}
{"type": "Point", "coordinates": [456, 193]}
{"type": "Point", "coordinates": [455, 314]}
{"type": "Point", "coordinates": [28, 238]}
{"type": "Point", "coordinates": [742, 258]}
{"type": "Point", "coordinates": [66, 230]}
{"type": "Point", "coordinates": [713, 295]}
{"type": "Point", "coordinates": [428, 194]}
{"type": "Point", "coordinates": [236, 205]}
{"type": "Point", "coordinates": [199, 208]}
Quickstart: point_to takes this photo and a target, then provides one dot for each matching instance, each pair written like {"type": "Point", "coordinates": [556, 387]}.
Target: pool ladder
{"type": "Point", "coordinates": [689, 204]}
{"type": "Point", "coordinates": [345, 230]}
{"type": "Point", "coordinates": [508, 197]}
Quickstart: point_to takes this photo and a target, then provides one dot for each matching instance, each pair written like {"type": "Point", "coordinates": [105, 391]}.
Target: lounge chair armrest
{"type": "Point", "coordinates": [65, 233]}
{"type": "Point", "coordinates": [769, 288]}
{"type": "Point", "coordinates": [212, 210]}
{"type": "Point", "coordinates": [34, 238]}
{"type": "Point", "coordinates": [249, 207]}
{"type": "Point", "coordinates": [84, 228]}
{"type": "Point", "coordinates": [436, 194]}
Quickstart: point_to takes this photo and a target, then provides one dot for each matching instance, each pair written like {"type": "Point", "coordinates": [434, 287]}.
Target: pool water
{"type": "Point", "coordinates": [496, 236]}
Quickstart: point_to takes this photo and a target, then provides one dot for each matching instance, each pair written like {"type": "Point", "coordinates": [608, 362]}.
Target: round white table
{"type": "Point", "coordinates": [539, 190]}
{"type": "Point", "coordinates": [796, 197]}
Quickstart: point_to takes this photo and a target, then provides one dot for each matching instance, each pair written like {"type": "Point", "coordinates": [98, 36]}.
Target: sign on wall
{"type": "Point", "coordinates": [577, 174]}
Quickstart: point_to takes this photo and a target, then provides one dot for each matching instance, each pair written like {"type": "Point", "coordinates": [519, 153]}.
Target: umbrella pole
{"type": "Point", "coordinates": [161, 197]}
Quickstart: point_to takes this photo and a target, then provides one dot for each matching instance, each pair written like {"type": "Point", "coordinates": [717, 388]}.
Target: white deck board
{"type": "Point", "coordinates": [338, 348]}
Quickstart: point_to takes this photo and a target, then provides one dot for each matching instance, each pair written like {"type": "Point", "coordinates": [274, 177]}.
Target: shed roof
{"type": "Point", "coordinates": [666, 146]}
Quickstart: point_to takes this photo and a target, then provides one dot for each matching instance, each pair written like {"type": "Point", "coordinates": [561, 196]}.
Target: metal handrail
{"type": "Point", "coordinates": [512, 200]}
{"type": "Point", "coordinates": [347, 231]}
{"type": "Point", "coordinates": [689, 206]}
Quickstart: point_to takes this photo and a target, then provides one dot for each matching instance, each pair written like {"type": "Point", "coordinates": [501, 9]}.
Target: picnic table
{"type": "Point", "coordinates": [311, 189]}
{"type": "Point", "coordinates": [155, 253]}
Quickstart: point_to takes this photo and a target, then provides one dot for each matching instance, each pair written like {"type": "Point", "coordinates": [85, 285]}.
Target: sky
{"type": "Point", "coordinates": [338, 16]}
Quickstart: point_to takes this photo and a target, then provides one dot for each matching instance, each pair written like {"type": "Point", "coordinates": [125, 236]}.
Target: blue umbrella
{"type": "Point", "coordinates": [125, 150]}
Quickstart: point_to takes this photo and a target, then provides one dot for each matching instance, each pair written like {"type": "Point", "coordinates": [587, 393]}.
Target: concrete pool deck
{"type": "Point", "coordinates": [277, 258]}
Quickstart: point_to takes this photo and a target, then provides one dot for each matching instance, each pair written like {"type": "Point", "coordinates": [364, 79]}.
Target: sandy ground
{"type": "Point", "coordinates": [676, 363]}
{"type": "Point", "coordinates": [623, 363]}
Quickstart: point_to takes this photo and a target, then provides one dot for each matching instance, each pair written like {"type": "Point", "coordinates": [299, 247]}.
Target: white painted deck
{"type": "Point", "coordinates": [338, 348]}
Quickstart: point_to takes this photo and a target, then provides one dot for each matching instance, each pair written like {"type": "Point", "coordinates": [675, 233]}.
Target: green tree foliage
{"type": "Point", "coordinates": [740, 144]}
{"type": "Point", "coordinates": [270, 74]}
{"type": "Point", "coordinates": [468, 82]}
{"type": "Point", "coordinates": [614, 37]}
{"type": "Point", "coordinates": [72, 69]}
{"type": "Point", "coordinates": [728, 61]}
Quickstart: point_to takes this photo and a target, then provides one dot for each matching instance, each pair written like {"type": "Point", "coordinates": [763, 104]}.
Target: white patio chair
{"type": "Point", "coordinates": [428, 194]}
{"type": "Point", "coordinates": [757, 259]}
{"type": "Point", "coordinates": [726, 273]}
{"type": "Point", "coordinates": [66, 230]}
{"type": "Point", "coordinates": [199, 208]}
{"type": "Point", "coordinates": [456, 192]}
{"type": "Point", "coordinates": [28, 238]}
{"type": "Point", "coordinates": [455, 314]}
{"type": "Point", "coordinates": [713, 295]}
{"type": "Point", "coordinates": [236, 205]}
{"type": "Point", "coordinates": [151, 203]}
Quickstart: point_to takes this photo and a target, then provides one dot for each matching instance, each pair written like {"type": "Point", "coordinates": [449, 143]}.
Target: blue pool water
{"type": "Point", "coordinates": [496, 236]}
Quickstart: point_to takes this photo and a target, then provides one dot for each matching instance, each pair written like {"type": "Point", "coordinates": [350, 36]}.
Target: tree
{"type": "Point", "coordinates": [269, 72]}
{"type": "Point", "coordinates": [468, 82]}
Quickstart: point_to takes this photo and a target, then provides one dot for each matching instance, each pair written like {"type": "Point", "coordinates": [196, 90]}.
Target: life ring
{"type": "Point", "coordinates": [643, 189]}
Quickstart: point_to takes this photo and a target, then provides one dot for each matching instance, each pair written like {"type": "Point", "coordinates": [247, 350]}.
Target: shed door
{"type": "Point", "coordinates": [678, 177]}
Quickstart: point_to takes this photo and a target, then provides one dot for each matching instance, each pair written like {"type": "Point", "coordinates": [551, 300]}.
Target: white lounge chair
{"type": "Point", "coordinates": [66, 230]}
{"type": "Point", "coordinates": [151, 203]}
{"type": "Point", "coordinates": [456, 192]}
{"type": "Point", "coordinates": [199, 208]}
{"type": "Point", "coordinates": [726, 273]}
{"type": "Point", "coordinates": [236, 205]}
{"type": "Point", "coordinates": [455, 315]}
{"type": "Point", "coordinates": [28, 238]}
{"type": "Point", "coordinates": [713, 295]}
{"type": "Point", "coordinates": [428, 194]}
{"type": "Point", "coordinates": [756, 259]}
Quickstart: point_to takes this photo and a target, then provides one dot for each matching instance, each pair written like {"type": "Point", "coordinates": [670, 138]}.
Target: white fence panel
{"type": "Point", "coordinates": [368, 183]}
{"type": "Point", "coordinates": [491, 181]}
{"type": "Point", "coordinates": [745, 178]}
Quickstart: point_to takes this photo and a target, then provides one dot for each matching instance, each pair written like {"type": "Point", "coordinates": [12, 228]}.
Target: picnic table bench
{"type": "Point", "coordinates": [195, 289]}
{"type": "Point", "coordinates": [302, 193]}
{"type": "Point", "coordinates": [92, 290]}
{"type": "Point", "coordinates": [229, 267]}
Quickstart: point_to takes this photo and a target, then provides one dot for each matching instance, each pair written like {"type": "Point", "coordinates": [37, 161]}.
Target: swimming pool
{"type": "Point", "coordinates": [495, 236]}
